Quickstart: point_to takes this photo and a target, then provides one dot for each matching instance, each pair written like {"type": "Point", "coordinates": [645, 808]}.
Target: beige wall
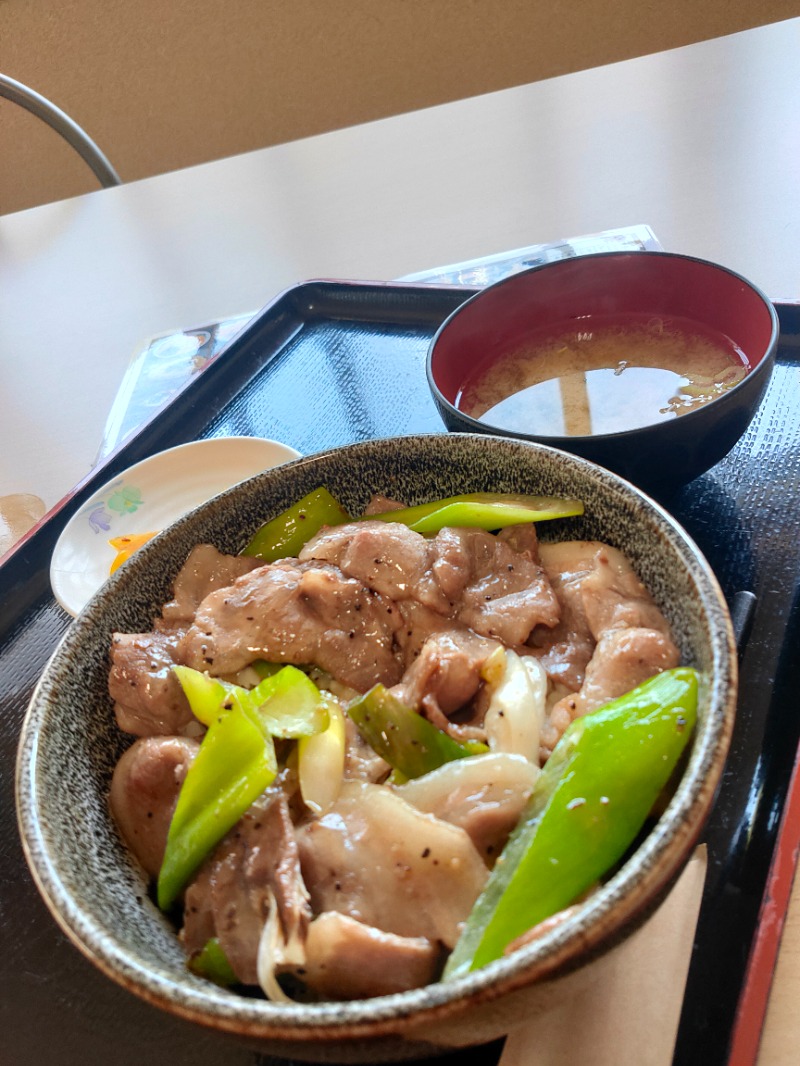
{"type": "Point", "coordinates": [162, 84]}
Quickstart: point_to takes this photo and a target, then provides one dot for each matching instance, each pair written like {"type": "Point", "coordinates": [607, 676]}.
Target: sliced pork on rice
{"type": "Point", "coordinates": [491, 637]}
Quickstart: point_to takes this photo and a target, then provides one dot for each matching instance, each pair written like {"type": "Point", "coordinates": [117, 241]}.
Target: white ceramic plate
{"type": "Point", "coordinates": [147, 498]}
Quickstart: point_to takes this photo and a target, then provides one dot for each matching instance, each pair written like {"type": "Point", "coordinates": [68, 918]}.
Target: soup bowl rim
{"type": "Point", "coordinates": [591, 928]}
{"type": "Point", "coordinates": [685, 421]}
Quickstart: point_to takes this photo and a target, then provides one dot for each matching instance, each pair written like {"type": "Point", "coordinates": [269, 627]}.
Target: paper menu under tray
{"type": "Point", "coordinates": [166, 363]}
{"type": "Point", "coordinates": [159, 370]}
{"type": "Point", "coordinates": [477, 273]}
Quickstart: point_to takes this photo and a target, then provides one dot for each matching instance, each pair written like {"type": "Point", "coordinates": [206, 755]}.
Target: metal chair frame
{"type": "Point", "coordinates": [59, 121]}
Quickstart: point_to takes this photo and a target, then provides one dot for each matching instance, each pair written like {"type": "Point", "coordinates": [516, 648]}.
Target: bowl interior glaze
{"type": "Point", "coordinates": [70, 743]}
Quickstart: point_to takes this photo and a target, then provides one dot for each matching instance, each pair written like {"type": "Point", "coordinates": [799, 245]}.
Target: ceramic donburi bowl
{"type": "Point", "coordinates": [70, 743]}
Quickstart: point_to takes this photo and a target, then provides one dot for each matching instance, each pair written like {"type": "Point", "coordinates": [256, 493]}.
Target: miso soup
{"type": "Point", "coordinates": [604, 376]}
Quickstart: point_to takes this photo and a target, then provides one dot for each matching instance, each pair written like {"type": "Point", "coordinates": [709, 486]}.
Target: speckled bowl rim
{"type": "Point", "coordinates": [590, 928]}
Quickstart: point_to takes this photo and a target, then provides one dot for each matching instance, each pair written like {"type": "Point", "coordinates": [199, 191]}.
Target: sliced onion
{"type": "Point", "coordinates": [275, 952]}
{"type": "Point", "coordinates": [516, 711]}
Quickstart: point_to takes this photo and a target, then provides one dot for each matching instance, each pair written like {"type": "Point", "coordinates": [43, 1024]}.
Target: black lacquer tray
{"type": "Point", "coordinates": [332, 362]}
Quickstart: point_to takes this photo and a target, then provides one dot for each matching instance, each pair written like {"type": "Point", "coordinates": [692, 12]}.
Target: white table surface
{"type": "Point", "coordinates": [701, 143]}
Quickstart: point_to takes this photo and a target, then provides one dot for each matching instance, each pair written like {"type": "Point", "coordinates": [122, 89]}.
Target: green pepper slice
{"type": "Point", "coordinates": [589, 803]}
{"type": "Point", "coordinates": [408, 742]}
{"type": "Point", "coordinates": [205, 694]}
{"type": "Point", "coordinates": [288, 703]}
{"type": "Point", "coordinates": [481, 510]}
{"type": "Point", "coordinates": [283, 536]}
{"type": "Point", "coordinates": [212, 963]}
{"type": "Point", "coordinates": [234, 765]}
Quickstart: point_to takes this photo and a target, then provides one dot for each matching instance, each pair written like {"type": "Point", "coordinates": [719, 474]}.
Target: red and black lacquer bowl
{"type": "Point", "coordinates": [574, 294]}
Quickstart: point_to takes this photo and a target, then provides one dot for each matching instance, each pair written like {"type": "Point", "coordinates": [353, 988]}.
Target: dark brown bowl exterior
{"type": "Point", "coordinates": [659, 458]}
{"type": "Point", "coordinates": [70, 743]}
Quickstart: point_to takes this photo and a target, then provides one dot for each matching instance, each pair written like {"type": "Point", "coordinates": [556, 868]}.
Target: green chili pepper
{"type": "Point", "coordinates": [284, 535]}
{"type": "Point", "coordinates": [205, 694]}
{"type": "Point", "coordinates": [288, 702]}
{"type": "Point", "coordinates": [406, 740]}
{"type": "Point", "coordinates": [234, 765]}
{"type": "Point", "coordinates": [212, 963]}
{"type": "Point", "coordinates": [482, 510]}
{"type": "Point", "coordinates": [589, 803]}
